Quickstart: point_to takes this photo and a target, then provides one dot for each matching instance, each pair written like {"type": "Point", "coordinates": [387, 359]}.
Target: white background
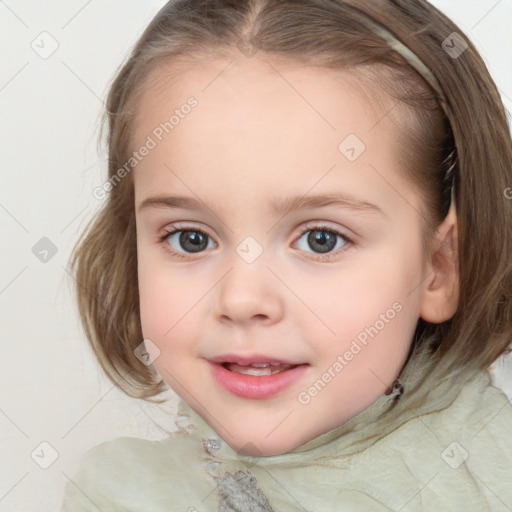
{"type": "Point", "coordinates": [52, 390]}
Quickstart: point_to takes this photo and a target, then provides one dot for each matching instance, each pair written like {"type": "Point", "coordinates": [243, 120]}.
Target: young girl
{"type": "Point", "coordinates": [306, 235]}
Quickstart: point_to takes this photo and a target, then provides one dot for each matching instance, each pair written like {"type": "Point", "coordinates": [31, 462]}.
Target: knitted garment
{"type": "Point", "coordinates": [439, 442]}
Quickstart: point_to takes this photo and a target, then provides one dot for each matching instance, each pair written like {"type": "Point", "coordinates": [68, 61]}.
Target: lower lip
{"type": "Point", "coordinates": [253, 386]}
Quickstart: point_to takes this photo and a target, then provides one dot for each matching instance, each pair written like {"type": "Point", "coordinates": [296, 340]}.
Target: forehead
{"type": "Point", "coordinates": [231, 84]}
{"type": "Point", "coordinates": [278, 123]}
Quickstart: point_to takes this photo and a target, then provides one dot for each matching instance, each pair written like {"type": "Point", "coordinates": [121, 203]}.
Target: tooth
{"type": "Point", "coordinates": [261, 370]}
{"type": "Point", "coordinates": [260, 365]}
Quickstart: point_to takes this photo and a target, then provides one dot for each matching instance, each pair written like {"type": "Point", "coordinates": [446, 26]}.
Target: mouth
{"type": "Point", "coordinates": [254, 364]}
{"type": "Point", "coordinates": [258, 369]}
{"type": "Point", "coordinates": [255, 376]}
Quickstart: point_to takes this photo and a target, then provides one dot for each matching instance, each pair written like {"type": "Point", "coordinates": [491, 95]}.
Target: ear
{"type": "Point", "coordinates": [440, 293]}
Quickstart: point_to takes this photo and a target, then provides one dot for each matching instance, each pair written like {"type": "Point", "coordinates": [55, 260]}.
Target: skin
{"type": "Point", "coordinates": [255, 136]}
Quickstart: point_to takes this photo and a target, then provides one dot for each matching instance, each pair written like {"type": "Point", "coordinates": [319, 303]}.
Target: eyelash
{"type": "Point", "coordinates": [310, 227]}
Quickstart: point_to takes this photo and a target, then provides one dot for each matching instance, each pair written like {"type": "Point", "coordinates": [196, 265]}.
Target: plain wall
{"type": "Point", "coordinates": [52, 390]}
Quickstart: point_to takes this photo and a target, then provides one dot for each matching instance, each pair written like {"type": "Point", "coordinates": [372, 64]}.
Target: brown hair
{"type": "Point", "coordinates": [466, 130]}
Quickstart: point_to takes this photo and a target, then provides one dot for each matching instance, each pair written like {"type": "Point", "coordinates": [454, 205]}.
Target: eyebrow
{"type": "Point", "coordinates": [278, 205]}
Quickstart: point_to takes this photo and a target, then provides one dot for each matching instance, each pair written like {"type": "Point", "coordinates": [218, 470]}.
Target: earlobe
{"type": "Point", "coordinates": [440, 294]}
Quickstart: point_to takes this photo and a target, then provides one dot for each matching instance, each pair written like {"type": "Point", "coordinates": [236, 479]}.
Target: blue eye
{"type": "Point", "coordinates": [190, 240]}
{"type": "Point", "coordinates": [323, 239]}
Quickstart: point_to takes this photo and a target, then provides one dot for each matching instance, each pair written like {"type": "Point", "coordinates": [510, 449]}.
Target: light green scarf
{"type": "Point", "coordinates": [444, 445]}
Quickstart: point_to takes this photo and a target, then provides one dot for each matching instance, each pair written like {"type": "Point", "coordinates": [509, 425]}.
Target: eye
{"type": "Point", "coordinates": [322, 240]}
{"type": "Point", "coordinates": [186, 241]}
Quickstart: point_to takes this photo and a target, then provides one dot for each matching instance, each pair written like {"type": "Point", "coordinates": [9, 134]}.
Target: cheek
{"type": "Point", "coordinates": [353, 298]}
{"type": "Point", "coordinates": [156, 317]}
{"type": "Point", "coordinates": [160, 304]}
{"type": "Point", "coordinates": [165, 319]}
{"type": "Point", "coordinates": [373, 314]}
{"type": "Point", "coordinates": [172, 305]}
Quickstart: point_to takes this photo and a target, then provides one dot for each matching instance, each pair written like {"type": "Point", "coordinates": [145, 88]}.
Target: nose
{"type": "Point", "coordinates": [249, 293]}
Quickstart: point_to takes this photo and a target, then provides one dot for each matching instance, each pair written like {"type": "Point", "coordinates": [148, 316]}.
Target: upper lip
{"type": "Point", "coordinates": [247, 359]}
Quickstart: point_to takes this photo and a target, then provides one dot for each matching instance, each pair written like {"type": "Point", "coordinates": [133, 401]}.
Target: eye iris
{"type": "Point", "coordinates": [323, 239]}
{"type": "Point", "coordinates": [197, 240]}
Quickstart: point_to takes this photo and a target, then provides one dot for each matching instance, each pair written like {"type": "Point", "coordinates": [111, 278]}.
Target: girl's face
{"type": "Point", "coordinates": [296, 242]}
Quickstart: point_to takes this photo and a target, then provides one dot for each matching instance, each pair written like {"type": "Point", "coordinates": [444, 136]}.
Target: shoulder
{"type": "Point", "coordinates": [478, 405]}
{"type": "Point", "coordinates": [133, 474]}
{"type": "Point", "coordinates": [107, 474]}
{"type": "Point", "coordinates": [472, 444]}
{"type": "Point", "coordinates": [455, 458]}
{"type": "Point", "coordinates": [479, 454]}
{"type": "Point", "coordinates": [486, 445]}
{"type": "Point", "coordinates": [480, 419]}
